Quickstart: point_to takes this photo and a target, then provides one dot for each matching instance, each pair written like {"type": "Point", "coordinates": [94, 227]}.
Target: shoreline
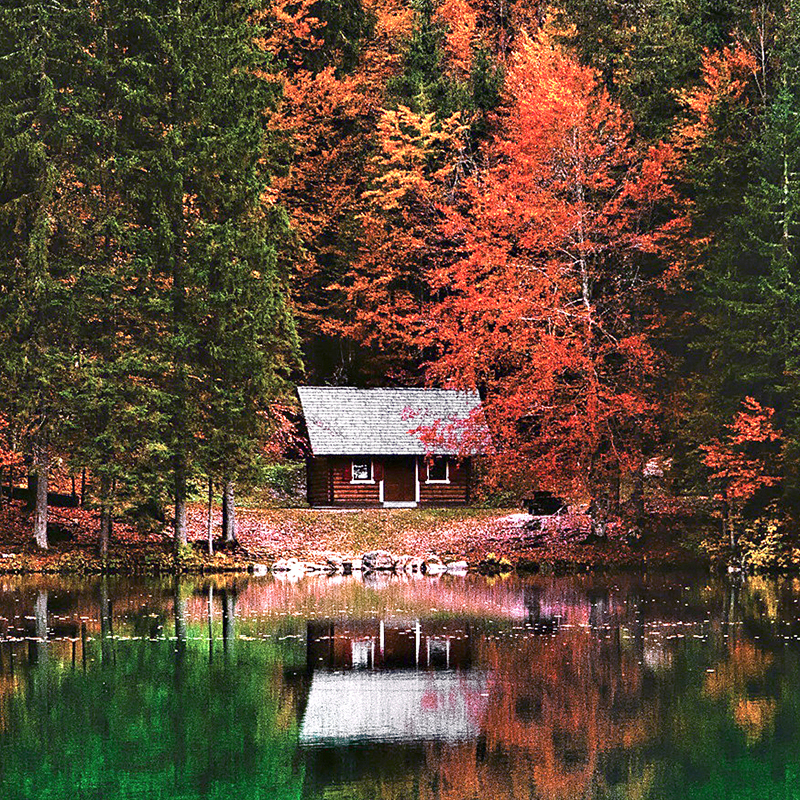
{"type": "Point", "coordinates": [488, 540]}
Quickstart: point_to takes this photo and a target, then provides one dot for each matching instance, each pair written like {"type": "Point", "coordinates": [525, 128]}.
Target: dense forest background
{"type": "Point", "coordinates": [585, 209]}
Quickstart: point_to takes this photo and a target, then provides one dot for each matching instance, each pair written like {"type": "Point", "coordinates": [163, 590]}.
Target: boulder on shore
{"type": "Point", "coordinates": [335, 563]}
{"type": "Point", "coordinates": [401, 563]}
{"type": "Point", "coordinates": [378, 560]}
{"type": "Point", "coordinates": [434, 565]}
{"type": "Point", "coordinates": [457, 567]}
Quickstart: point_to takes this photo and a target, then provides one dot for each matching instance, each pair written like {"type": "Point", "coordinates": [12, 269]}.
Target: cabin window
{"type": "Point", "coordinates": [362, 471]}
{"type": "Point", "coordinates": [438, 470]}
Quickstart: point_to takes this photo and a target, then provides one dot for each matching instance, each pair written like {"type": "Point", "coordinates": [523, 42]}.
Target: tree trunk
{"type": "Point", "coordinates": [210, 611]}
{"type": "Point", "coordinates": [209, 527]}
{"type": "Point", "coordinates": [637, 494]}
{"type": "Point", "coordinates": [105, 530]}
{"type": "Point", "coordinates": [228, 620]}
{"type": "Point", "coordinates": [41, 466]}
{"type": "Point", "coordinates": [40, 626]}
{"type": "Point", "coordinates": [228, 513]}
{"type": "Point", "coordinates": [83, 487]}
{"type": "Point", "coordinates": [105, 517]}
{"type": "Point", "coordinates": [180, 504]}
{"type": "Point", "coordinates": [179, 607]}
{"type": "Point", "coordinates": [106, 625]}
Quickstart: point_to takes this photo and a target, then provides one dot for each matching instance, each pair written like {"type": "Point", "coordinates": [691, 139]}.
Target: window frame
{"type": "Point", "coordinates": [429, 464]}
{"type": "Point", "coordinates": [370, 467]}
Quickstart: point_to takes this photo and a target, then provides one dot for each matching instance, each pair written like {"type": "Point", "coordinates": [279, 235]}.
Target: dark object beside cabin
{"type": "Point", "coordinates": [543, 504]}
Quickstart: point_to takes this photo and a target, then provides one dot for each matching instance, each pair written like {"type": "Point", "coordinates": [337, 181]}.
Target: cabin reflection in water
{"type": "Point", "coordinates": [398, 681]}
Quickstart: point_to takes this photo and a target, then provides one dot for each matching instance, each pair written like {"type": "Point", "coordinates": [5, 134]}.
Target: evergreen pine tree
{"type": "Point", "coordinates": [193, 157]}
{"type": "Point", "coordinates": [42, 137]}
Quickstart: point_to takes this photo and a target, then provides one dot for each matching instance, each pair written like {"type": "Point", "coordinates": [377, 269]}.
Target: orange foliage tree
{"type": "Point", "coordinates": [560, 246]}
{"type": "Point", "coordinates": [743, 462]}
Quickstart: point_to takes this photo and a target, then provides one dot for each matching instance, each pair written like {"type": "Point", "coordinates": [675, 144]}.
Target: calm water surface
{"type": "Point", "coordinates": [583, 687]}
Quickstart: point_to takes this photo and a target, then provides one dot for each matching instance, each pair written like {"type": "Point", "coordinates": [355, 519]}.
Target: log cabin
{"type": "Point", "coordinates": [373, 447]}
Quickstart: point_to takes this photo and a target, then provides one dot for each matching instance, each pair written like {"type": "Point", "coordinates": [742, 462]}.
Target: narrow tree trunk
{"type": "Point", "coordinates": [637, 493]}
{"type": "Point", "coordinates": [210, 610]}
{"type": "Point", "coordinates": [228, 620]}
{"type": "Point", "coordinates": [83, 487]}
{"type": "Point", "coordinates": [209, 528]}
{"type": "Point", "coordinates": [105, 516]}
{"type": "Point", "coordinates": [106, 625]}
{"type": "Point", "coordinates": [41, 468]}
{"type": "Point", "coordinates": [105, 529]}
{"type": "Point", "coordinates": [180, 504]}
{"type": "Point", "coordinates": [228, 513]}
{"type": "Point", "coordinates": [179, 607]}
{"type": "Point", "coordinates": [40, 625]}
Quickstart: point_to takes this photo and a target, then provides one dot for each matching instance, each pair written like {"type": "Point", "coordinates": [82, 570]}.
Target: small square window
{"type": "Point", "coordinates": [362, 470]}
{"type": "Point", "coordinates": [437, 470]}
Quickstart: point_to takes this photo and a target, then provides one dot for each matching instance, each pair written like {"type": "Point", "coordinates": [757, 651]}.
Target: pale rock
{"type": "Point", "coordinates": [378, 560]}
{"type": "Point", "coordinates": [457, 567]}
{"type": "Point", "coordinates": [434, 565]}
{"type": "Point", "coordinates": [260, 569]}
{"type": "Point", "coordinates": [334, 563]}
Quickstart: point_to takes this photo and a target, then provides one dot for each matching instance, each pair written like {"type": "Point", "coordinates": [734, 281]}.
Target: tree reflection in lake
{"type": "Point", "coordinates": [552, 688]}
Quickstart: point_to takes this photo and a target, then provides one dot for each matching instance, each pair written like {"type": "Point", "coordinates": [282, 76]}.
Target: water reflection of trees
{"type": "Point", "coordinates": [636, 690]}
{"type": "Point", "coordinates": [565, 713]}
{"type": "Point", "coordinates": [138, 717]}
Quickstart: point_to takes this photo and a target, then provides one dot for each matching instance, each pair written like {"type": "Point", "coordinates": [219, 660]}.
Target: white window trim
{"type": "Point", "coordinates": [371, 472]}
{"type": "Point", "coordinates": [428, 479]}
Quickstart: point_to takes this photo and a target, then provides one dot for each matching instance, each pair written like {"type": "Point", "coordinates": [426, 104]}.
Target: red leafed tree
{"type": "Point", "coordinates": [9, 457]}
{"type": "Point", "coordinates": [743, 462]}
{"type": "Point", "coordinates": [560, 248]}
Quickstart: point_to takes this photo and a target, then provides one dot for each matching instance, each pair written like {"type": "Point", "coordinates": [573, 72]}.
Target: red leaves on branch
{"type": "Point", "coordinates": [742, 463]}
{"type": "Point", "coordinates": [8, 456]}
{"type": "Point", "coordinates": [559, 246]}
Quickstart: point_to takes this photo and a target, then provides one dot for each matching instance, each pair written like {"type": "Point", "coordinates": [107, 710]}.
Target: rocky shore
{"type": "Point", "coordinates": [373, 561]}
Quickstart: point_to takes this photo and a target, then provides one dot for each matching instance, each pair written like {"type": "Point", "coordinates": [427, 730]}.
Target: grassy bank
{"type": "Point", "coordinates": [267, 534]}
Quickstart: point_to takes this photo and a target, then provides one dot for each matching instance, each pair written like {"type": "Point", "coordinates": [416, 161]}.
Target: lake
{"type": "Point", "coordinates": [601, 686]}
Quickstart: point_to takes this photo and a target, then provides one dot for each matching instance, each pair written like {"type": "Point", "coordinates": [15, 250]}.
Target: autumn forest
{"type": "Point", "coordinates": [586, 210]}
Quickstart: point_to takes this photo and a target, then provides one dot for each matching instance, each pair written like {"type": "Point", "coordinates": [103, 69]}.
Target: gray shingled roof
{"type": "Point", "coordinates": [346, 421]}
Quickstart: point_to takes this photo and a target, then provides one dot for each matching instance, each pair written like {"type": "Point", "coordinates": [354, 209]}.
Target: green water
{"type": "Point", "coordinates": [582, 687]}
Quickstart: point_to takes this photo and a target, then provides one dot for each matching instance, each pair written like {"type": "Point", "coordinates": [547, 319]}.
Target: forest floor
{"type": "Point", "coordinates": [267, 534]}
